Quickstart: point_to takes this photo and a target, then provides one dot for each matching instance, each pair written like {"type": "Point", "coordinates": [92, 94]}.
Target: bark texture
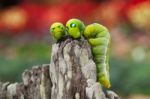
{"type": "Point", "coordinates": [36, 85]}
{"type": "Point", "coordinates": [70, 75]}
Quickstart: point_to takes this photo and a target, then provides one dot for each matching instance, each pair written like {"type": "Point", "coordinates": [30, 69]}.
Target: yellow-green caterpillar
{"type": "Point", "coordinates": [75, 28]}
{"type": "Point", "coordinates": [57, 30]}
{"type": "Point", "coordinates": [99, 39]}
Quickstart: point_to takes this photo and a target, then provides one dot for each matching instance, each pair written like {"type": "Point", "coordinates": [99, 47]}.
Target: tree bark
{"type": "Point", "coordinates": [70, 75]}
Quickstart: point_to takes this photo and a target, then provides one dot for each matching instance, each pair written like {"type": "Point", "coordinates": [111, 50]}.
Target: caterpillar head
{"type": "Point", "coordinates": [75, 27]}
{"type": "Point", "coordinates": [57, 30]}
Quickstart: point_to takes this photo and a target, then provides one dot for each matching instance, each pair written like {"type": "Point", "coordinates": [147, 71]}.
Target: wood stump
{"type": "Point", "coordinates": [70, 75]}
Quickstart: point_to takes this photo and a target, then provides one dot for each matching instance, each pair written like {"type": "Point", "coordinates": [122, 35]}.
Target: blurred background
{"type": "Point", "coordinates": [25, 39]}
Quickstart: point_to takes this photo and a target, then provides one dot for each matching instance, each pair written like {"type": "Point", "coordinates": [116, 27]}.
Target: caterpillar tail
{"type": "Point", "coordinates": [103, 76]}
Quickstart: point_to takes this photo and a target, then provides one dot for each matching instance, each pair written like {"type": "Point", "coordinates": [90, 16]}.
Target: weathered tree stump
{"type": "Point", "coordinates": [70, 75]}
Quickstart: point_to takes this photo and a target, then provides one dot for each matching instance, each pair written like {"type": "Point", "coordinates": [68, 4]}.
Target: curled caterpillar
{"type": "Point", "coordinates": [57, 30]}
{"type": "Point", "coordinates": [75, 28]}
{"type": "Point", "coordinates": [99, 39]}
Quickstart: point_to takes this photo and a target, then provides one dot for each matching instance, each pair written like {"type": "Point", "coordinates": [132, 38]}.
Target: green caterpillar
{"type": "Point", "coordinates": [99, 39]}
{"type": "Point", "coordinates": [75, 28]}
{"type": "Point", "coordinates": [58, 31]}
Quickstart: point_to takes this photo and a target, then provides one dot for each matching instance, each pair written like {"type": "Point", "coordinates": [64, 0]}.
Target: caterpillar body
{"type": "Point", "coordinates": [99, 39]}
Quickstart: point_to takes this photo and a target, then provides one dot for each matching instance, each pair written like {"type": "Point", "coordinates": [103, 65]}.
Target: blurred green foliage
{"type": "Point", "coordinates": [25, 56]}
{"type": "Point", "coordinates": [130, 77]}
